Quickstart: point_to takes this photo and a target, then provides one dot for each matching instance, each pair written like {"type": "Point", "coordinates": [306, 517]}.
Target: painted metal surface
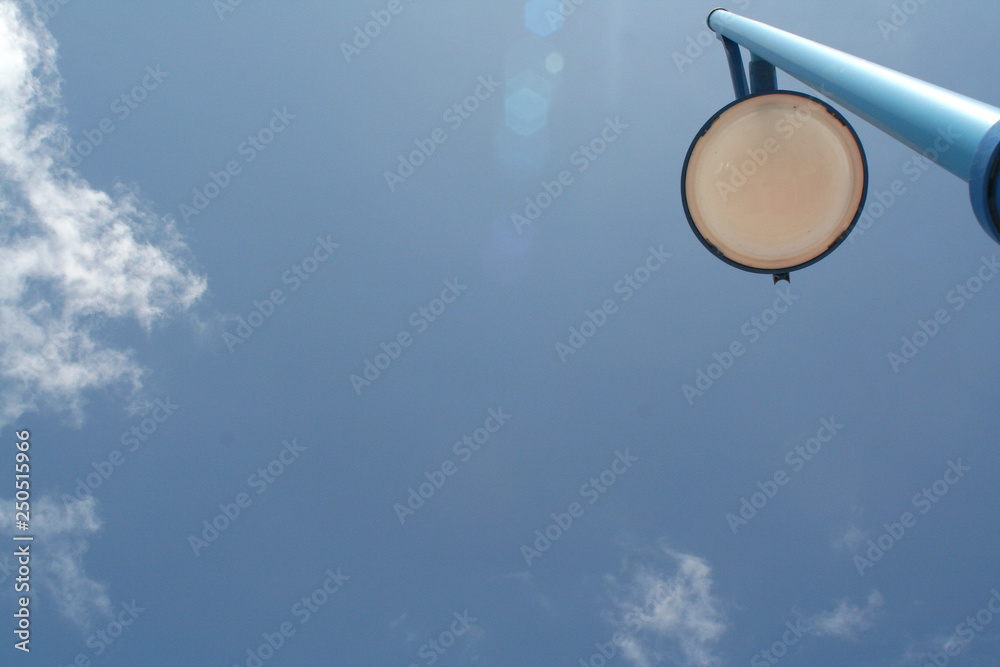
{"type": "Point", "coordinates": [921, 115]}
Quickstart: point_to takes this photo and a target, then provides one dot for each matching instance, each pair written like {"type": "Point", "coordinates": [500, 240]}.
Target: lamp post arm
{"type": "Point", "coordinates": [957, 132]}
{"type": "Point", "coordinates": [915, 112]}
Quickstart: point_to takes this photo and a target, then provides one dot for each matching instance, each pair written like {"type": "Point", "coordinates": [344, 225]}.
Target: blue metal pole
{"type": "Point", "coordinates": [957, 132]}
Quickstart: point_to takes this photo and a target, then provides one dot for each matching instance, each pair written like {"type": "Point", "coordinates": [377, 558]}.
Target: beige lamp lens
{"type": "Point", "coordinates": [775, 181]}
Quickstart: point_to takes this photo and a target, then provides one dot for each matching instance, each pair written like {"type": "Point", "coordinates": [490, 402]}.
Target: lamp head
{"type": "Point", "coordinates": [774, 182]}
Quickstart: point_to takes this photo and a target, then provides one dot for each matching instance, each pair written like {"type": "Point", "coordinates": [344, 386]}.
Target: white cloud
{"type": "Point", "coordinates": [61, 532]}
{"type": "Point", "coordinates": [74, 258]}
{"type": "Point", "coordinates": [852, 538]}
{"type": "Point", "coordinates": [918, 652]}
{"type": "Point", "coordinates": [666, 609]}
{"type": "Point", "coordinates": [847, 620]}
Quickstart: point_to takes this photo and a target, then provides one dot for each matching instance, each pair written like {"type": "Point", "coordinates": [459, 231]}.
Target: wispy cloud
{"type": "Point", "coordinates": [74, 258]}
{"type": "Point", "coordinates": [664, 606]}
{"type": "Point", "coordinates": [419, 636]}
{"type": "Point", "coordinates": [61, 534]}
{"type": "Point", "coordinates": [851, 539]}
{"type": "Point", "coordinates": [975, 627]}
{"type": "Point", "coordinates": [846, 621]}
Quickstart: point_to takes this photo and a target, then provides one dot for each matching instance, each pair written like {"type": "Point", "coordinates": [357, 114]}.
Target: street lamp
{"type": "Point", "coordinates": [776, 180]}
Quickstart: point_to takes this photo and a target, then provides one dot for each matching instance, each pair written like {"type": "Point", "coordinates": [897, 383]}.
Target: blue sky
{"type": "Point", "coordinates": [290, 338]}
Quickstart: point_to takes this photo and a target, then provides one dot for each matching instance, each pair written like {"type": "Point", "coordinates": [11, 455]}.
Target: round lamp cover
{"type": "Point", "coordinates": [774, 182]}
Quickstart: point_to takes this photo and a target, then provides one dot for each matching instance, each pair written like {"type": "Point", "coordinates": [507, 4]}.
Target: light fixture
{"type": "Point", "coordinates": [774, 182]}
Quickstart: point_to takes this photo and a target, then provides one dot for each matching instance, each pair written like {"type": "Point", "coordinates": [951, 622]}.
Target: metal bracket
{"type": "Point", "coordinates": [739, 76]}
